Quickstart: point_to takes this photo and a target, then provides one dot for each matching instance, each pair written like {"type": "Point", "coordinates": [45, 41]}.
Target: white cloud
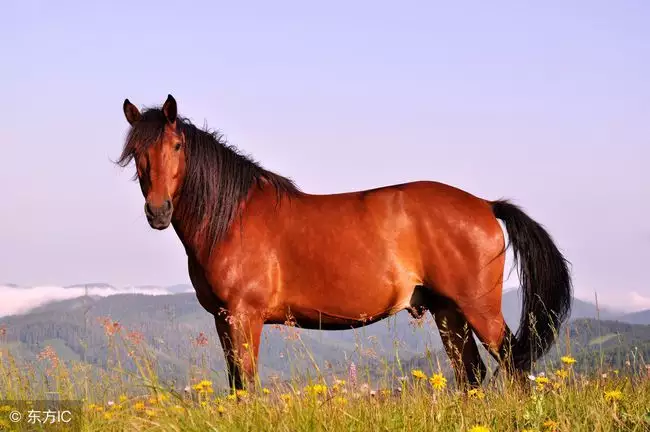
{"type": "Point", "coordinates": [638, 301]}
{"type": "Point", "coordinates": [625, 302]}
{"type": "Point", "coordinates": [17, 300]}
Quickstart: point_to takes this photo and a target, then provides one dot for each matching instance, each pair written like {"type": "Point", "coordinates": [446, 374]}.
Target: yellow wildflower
{"type": "Point", "coordinates": [568, 360]}
{"type": "Point", "coordinates": [242, 393]}
{"type": "Point", "coordinates": [476, 393]}
{"type": "Point", "coordinates": [150, 413]}
{"type": "Point", "coordinates": [479, 428]}
{"type": "Point", "coordinates": [417, 373]}
{"type": "Point", "coordinates": [338, 383]}
{"type": "Point", "coordinates": [139, 406]}
{"type": "Point", "coordinates": [438, 381]}
{"type": "Point", "coordinates": [562, 373]}
{"type": "Point", "coordinates": [286, 397]}
{"type": "Point", "coordinates": [204, 386]}
{"type": "Point", "coordinates": [550, 425]}
{"type": "Point", "coordinates": [221, 409]}
{"type": "Point", "coordinates": [231, 396]}
{"type": "Point", "coordinates": [108, 416]}
{"type": "Point", "coordinates": [316, 389]}
{"type": "Point", "coordinates": [266, 391]}
{"type": "Point", "coordinates": [613, 395]}
{"type": "Point", "coordinates": [123, 398]}
{"type": "Point", "coordinates": [541, 380]}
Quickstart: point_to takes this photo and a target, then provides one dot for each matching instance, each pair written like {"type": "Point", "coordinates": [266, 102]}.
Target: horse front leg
{"type": "Point", "coordinates": [240, 333]}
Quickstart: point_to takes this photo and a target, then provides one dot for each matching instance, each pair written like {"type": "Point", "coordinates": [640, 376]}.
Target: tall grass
{"type": "Point", "coordinates": [556, 398]}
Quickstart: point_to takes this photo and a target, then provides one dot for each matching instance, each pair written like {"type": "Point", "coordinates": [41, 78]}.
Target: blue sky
{"type": "Point", "coordinates": [547, 104]}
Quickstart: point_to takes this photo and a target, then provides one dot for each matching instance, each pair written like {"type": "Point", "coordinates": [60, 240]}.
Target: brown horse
{"type": "Point", "coordinates": [260, 251]}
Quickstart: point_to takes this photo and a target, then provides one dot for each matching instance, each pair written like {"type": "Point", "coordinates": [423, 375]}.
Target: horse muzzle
{"type": "Point", "coordinates": [159, 216]}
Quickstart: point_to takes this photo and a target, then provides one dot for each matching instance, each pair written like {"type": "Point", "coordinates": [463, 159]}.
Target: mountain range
{"type": "Point", "coordinates": [171, 321]}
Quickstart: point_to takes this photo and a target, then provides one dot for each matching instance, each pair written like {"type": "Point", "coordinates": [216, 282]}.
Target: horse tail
{"type": "Point", "coordinates": [545, 282]}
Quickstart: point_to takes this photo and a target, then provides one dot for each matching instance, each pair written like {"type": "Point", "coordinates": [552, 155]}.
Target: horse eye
{"type": "Point", "coordinates": [177, 147]}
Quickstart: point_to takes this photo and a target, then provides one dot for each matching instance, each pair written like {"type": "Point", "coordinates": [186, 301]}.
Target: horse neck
{"type": "Point", "coordinates": [191, 249]}
{"type": "Point", "coordinates": [260, 197]}
{"type": "Point", "coordinates": [195, 246]}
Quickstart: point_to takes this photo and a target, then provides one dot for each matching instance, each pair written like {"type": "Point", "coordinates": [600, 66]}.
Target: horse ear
{"type": "Point", "coordinates": [170, 110]}
{"type": "Point", "coordinates": [131, 112]}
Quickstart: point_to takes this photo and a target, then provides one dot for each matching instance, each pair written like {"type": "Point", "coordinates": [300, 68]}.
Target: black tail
{"type": "Point", "coordinates": [545, 282]}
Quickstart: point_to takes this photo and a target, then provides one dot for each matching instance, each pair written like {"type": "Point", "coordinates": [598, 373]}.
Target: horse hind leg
{"type": "Point", "coordinates": [506, 359]}
{"type": "Point", "coordinates": [459, 343]}
{"type": "Point", "coordinates": [481, 307]}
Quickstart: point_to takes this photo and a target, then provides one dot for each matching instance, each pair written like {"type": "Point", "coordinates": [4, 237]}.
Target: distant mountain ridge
{"type": "Point", "coordinates": [511, 306]}
{"type": "Point", "coordinates": [93, 285]}
{"type": "Point", "coordinates": [511, 303]}
{"type": "Point", "coordinates": [169, 322]}
{"type": "Point", "coordinates": [641, 317]}
{"type": "Point", "coordinates": [176, 288]}
{"type": "Point", "coordinates": [23, 299]}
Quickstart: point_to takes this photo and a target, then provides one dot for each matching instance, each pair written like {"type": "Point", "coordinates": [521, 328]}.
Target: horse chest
{"type": "Point", "coordinates": [204, 292]}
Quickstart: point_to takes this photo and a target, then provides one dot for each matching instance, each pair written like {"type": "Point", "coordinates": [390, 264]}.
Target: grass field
{"type": "Point", "coordinates": [558, 399]}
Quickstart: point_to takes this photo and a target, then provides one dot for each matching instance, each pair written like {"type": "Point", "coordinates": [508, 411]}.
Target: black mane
{"type": "Point", "coordinates": [218, 178]}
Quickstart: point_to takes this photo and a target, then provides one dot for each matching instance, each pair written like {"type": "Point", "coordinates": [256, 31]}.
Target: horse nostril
{"type": "Point", "coordinates": [164, 209]}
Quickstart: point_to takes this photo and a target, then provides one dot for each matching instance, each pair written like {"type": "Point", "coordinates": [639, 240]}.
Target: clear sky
{"type": "Point", "coordinates": [547, 104]}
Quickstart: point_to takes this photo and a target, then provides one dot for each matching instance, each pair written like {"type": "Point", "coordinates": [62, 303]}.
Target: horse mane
{"type": "Point", "coordinates": [217, 179]}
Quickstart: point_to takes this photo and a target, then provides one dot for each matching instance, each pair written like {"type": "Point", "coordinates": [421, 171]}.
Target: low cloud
{"type": "Point", "coordinates": [625, 302]}
{"type": "Point", "coordinates": [18, 300]}
{"type": "Point", "coordinates": [638, 301]}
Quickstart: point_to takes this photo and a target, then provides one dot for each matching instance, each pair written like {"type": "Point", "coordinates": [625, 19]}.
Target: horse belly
{"type": "Point", "coordinates": [356, 259]}
{"type": "Point", "coordinates": [348, 292]}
